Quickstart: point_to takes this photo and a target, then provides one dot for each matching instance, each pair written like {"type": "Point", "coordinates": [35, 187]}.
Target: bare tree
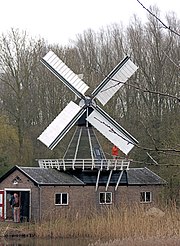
{"type": "Point", "coordinates": [150, 101]}
{"type": "Point", "coordinates": [157, 87]}
{"type": "Point", "coordinates": [19, 58]}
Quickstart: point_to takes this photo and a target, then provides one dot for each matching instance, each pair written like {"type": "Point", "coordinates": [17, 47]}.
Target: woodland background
{"type": "Point", "coordinates": [147, 106]}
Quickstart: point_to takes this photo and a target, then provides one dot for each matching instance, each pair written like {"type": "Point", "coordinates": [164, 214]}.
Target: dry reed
{"type": "Point", "coordinates": [112, 223]}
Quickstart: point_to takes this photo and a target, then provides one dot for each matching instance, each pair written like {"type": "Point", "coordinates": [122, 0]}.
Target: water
{"type": "Point", "coordinates": [43, 242]}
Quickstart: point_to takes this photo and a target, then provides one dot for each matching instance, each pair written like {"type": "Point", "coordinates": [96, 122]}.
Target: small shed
{"type": "Point", "coordinates": [43, 190]}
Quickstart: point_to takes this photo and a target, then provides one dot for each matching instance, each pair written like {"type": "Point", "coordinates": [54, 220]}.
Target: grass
{"type": "Point", "coordinates": [123, 226]}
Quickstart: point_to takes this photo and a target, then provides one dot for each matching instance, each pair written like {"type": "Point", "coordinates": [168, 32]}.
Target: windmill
{"type": "Point", "coordinates": [88, 110]}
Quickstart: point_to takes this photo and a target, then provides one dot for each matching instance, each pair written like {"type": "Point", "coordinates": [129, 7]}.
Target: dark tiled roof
{"type": "Point", "coordinates": [49, 176]}
{"type": "Point", "coordinates": [90, 177]}
{"type": "Point", "coordinates": [143, 176]}
{"type": "Point", "coordinates": [133, 176]}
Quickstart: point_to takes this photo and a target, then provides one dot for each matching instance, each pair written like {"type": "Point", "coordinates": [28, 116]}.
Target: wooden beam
{"type": "Point", "coordinates": [119, 179]}
{"type": "Point", "coordinates": [97, 181]}
{"type": "Point", "coordinates": [110, 174]}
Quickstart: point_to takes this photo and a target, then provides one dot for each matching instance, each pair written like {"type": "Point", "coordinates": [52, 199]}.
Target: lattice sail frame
{"type": "Point", "coordinates": [68, 117]}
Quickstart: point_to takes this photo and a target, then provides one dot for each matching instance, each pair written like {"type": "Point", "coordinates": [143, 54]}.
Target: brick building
{"type": "Point", "coordinates": [43, 190]}
{"type": "Point", "coordinates": [90, 181]}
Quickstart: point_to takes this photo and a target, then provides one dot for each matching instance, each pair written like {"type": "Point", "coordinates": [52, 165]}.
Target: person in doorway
{"type": "Point", "coordinates": [16, 207]}
{"type": "Point", "coordinates": [115, 151]}
{"type": "Point", "coordinates": [11, 202]}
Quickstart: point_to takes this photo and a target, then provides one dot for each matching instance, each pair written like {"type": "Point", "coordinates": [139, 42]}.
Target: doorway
{"type": "Point", "coordinates": [24, 204]}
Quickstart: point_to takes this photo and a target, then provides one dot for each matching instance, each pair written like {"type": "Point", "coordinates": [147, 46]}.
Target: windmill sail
{"type": "Point", "coordinates": [98, 118]}
{"type": "Point", "coordinates": [61, 125]}
{"type": "Point", "coordinates": [112, 130]}
{"type": "Point", "coordinates": [65, 74]}
{"type": "Point", "coordinates": [113, 82]}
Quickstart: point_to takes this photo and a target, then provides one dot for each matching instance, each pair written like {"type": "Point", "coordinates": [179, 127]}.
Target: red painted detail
{"type": "Point", "coordinates": [1, 204]}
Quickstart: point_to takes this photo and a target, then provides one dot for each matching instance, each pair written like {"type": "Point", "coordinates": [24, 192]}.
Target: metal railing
{"type": "Point", "coordinates": [103, 164]}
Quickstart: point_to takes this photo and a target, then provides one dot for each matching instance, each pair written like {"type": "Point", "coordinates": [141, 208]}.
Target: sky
{"type": "Point", "coordinates": [59, 21]}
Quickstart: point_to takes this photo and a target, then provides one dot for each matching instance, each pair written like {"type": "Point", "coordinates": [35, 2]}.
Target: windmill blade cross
{"type": "Point", "coordinates": [98, 118]}
{"type": "Point", "coordinates": [112, 130]}
{"type": "Point", "coordinates": [113, 82]}
{"type": "Point", "coordinates": [65, 74]}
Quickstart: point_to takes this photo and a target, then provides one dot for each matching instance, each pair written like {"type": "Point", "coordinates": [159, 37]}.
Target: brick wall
{"type": "Point", "coordinates": [84, 199]}
{"type": "Point", "coordinates": [81, 198]}
{"type": "Point", "coordinates": [24, 183]}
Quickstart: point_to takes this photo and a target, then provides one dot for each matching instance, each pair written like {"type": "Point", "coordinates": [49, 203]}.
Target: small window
{"type": "Point", "coordinates": [145, 197]}
{"type": "Point", "coordinates": [105, 197]}
{"type": "Point", "coordinates": [61, 199]}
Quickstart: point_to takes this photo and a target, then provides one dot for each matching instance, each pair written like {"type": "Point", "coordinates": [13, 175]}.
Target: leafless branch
{"type": "Point", "coordinates": [142, 89]}
{"type": "Point", "coordinates": [112, 130]}
{"type": "Point", "coordinates": [164, 25]}
{"type": "Point", "coordinates": [138, 146]}
{"type": "Point", "coordinates": [171, 60]}
{"type": "Point", "coordinates": [149, 134]}
{"type": "Point", "coordinates": [160, 164]}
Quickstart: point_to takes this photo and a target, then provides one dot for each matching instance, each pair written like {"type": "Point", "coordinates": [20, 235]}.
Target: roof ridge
{"type": "Point", "coordinates": [78, 179]}
{"type": "Point", "coordinates": [136, 168]}
{"type": "Point", "coordinates": [155, 174]}
{"type": "Point", "coordinates": [20, 168]}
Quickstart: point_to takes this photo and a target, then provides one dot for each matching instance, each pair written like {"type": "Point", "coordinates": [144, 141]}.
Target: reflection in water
{"type": "Point", "coordinates": [43, 242]}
